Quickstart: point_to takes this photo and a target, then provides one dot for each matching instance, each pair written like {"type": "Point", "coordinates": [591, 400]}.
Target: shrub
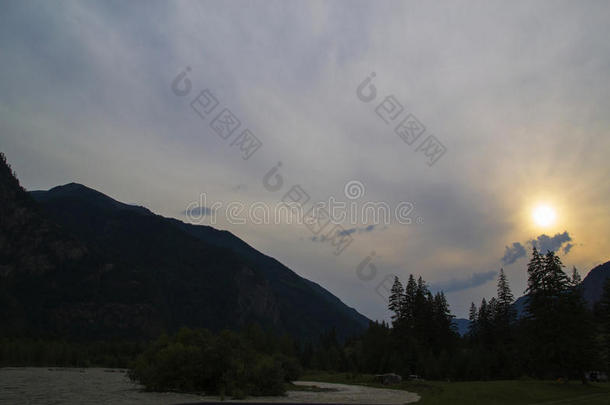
{"type": "Point", "coordinates": [223, 364]}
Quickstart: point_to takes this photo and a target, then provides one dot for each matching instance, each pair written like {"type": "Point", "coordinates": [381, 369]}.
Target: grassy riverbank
{"type": "Point", "coordinates": [515, 392]}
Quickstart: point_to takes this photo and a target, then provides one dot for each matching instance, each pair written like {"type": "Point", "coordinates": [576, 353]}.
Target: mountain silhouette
{"type": "Point", "coordinates": [593, 283]}
{"type": "Point", "coordinates": [77, 263]}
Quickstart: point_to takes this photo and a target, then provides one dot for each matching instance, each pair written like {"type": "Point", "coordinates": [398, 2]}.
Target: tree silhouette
{"type": "Point", "coordinates": [396, 299]}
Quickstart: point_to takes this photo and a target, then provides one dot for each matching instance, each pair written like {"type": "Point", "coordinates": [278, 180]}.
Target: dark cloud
{"type": "Point", "coordinates": [475, 280]}
{"type": "Point", "coordinates": [350, 231]}
{"type": "Point", "coordinates": [197, 211]}
{"type": "Point", "coordinates": [513, 253]}
{"type": "Point", "coordinates": [544, 243]}
{"type": "Point", "coordinates": [345, 232]}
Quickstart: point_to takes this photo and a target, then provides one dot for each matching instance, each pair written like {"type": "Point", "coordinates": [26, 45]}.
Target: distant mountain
{"type": "Point", "coordinates": [461, 325]}
{"type": "Point", "coordinates": [76, 262]}
{"type": "Point", "coordinates": [520, 305]}
{"type": "Point", "coordinates": [593, 283]}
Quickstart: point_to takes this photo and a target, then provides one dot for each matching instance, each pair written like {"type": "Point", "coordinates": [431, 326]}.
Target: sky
{"type": "Point", "coordinates": [515, 94]}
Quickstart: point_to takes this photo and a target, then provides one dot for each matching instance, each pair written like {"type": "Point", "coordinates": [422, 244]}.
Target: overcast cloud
{"type": "Point", "coordinates": [516, 91]}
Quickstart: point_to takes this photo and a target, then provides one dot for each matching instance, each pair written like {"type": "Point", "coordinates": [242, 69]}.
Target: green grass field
{"type": "Point", "coordinates": [515, 392]}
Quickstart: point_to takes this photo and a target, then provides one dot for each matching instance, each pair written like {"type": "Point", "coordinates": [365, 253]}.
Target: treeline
{"type": "Point", "coordinates": [25, 351]}
{"type": "Point", "coordinates": [491, 344]}
{"type": "Point", "coordinates": [421, 340]}
{"type": "Point", "coordinates": [556, 337]}
{"type": "Point", "coordinates": [233, 364]}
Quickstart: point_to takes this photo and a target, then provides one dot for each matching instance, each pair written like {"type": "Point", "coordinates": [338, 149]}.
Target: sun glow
{"type": "Point", "coordinates": [544, 215]}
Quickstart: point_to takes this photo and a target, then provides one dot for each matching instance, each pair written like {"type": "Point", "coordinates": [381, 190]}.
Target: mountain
{"type": "Point", "coordinates": [35, 256]}
{"type": "Point", "coordinates": [520, 305]}
{"type": "Point", "coordinates": [461, 325]}
{"type": "Point", "coordinates": [593, 283]}
{"type": "Point", "coordinates": [78, 263]}
{"type": "Point", "coordinates": [281, 278]}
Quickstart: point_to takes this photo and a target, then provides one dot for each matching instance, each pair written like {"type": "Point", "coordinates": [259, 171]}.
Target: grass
{"type": "Point", "coordinates": [514, 392]}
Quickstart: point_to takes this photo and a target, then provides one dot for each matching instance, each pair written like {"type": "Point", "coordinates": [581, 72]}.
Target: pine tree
{"type": "Point", "coordinates": [483, 316]}
{"type": "Point", "coordinates": [546, 283]}
{"type": "Point", "coordinates": [555, 279]}
{"type": "Point", "coordinates": [559, 322]}
{"type": "Point", "coordinates": [492, 313]}
{"type": "Point", "coordinates": [422, 311]}
{"type": "Point", "coordinates": [442, 312]}
{"type": "Point", "coordinates": [576, 279]}
{"type": "Point", "coordinates": [505, 313]}
{"type": "Point", "coordinates": [577, 339]}
{"type": "Point", "coordinates": [472, 317]}
{"type": "Point", "coordinates": [542, 325]}
{"type": "Point", "coordinates": [483, 310]}
{"type": "Point", "coordinates": [535, 271]}
{"type": "Point", "coordinates": [396, 299]}
{"type": "Point", "coordinates": [485, 322]}
{"type": "Point", "coordinates": [492, 309]}
{"type": "Point", "coordinates": [505, 296]}
{"type": "Point", "coordinates": [421, 286]}
{"type": "Point", "coordinates": [408, 310]}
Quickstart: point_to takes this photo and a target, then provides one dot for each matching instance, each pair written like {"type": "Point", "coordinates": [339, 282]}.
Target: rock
{"type": "Point", "coordinates": [389, 378]}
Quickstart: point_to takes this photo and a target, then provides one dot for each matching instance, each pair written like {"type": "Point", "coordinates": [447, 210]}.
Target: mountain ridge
{"type": "Point", "coordinates": [77, 263]}
{"type": "Point", "coordinates": [63, 204]}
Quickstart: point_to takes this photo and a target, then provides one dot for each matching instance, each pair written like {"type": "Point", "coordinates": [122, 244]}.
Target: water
{"type": "Point", "coordinates": [37, 385]}
{"type": "Point", "coordinates": [55, 386]}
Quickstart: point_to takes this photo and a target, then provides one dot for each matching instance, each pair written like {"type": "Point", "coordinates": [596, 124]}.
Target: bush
{"type": "Point", "coordinates": [223, 364]}
{"type": "Point", "coordinates": [291, 367]}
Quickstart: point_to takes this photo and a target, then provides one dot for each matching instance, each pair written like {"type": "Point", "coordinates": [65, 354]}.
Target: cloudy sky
{"type": "Point", "coordinates": [518, 94]}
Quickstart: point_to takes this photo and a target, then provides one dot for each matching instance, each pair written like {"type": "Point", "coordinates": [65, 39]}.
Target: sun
{"type": "Point", "coordinates": [544, 215]}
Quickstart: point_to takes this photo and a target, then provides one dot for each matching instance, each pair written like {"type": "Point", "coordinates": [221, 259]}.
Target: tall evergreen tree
{"type": "Point", "coordinates": [505, 295]}
{"type": "Point", "coordinates": [535, 280]}
{"type": "Point", "coordinates": [576, 279]}
{"type": "Point", "coordinates": [443, 319]}
{"type": "Point", "coordinates": [555, 279]}
{"type": "Point", "coordinates": [483, 318]}
{"type": "Point", "coordinates": [580, 348]}
{"type": "Point", "coordinates": [472, 317]}
{"type": "Point", "coordinates": [505, 313]}
{"type": "Point", "coordinates": [407, 311]}
{"type": "Point", "coordinates": [443, 315]}
{"type": "Point", "coordinates": [483, 314]}
{"type": "Point", "coordinates": [559, 322]}
{"type": "Point", "coordinates": [396, 299]}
